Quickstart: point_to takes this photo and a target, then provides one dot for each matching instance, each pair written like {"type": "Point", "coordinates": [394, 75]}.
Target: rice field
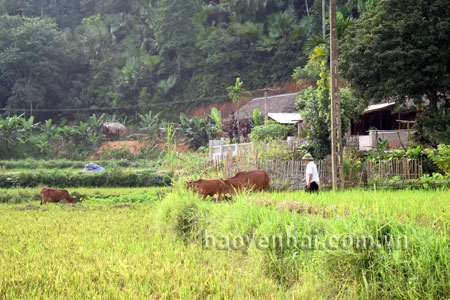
{"type": "Point", "coordinates": [176, 246]}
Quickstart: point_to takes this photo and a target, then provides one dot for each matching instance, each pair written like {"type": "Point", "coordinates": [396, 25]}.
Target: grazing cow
{"type": "Point", "coordinates": [55, 195]}
{"type": "Point", "coordinates": [253, 180]}
{"type": "Point", "coordinates": [209, 187]}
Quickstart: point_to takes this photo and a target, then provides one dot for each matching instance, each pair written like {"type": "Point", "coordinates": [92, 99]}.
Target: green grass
{"type": "Point", "coordinates": [415, 266]}
{"type": "Point", "coordinates": [27, 195]}
{"type": "Point", "coordinates": [110, 252]}
{"type": "Point", "coordinates": [429, 208]}
{"type": "Point", "coordinates": [105, 248]}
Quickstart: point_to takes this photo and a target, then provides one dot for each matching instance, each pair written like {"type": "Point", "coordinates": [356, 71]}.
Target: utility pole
{"type": "Point", "coordinates": [266, 112]}
{"type": "Point", "coordinates": [337, 169]}
{"type": "Point", "coordinates": [323, 19]}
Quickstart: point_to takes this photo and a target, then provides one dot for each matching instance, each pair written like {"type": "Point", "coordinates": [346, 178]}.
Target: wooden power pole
{"type": "Point", "coordinates": [336, 126]}
{"type": "Point", "coordinates": [324, 31]}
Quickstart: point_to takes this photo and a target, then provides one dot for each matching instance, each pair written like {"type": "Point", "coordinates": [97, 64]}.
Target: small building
{"type": "Point", "coordinates": [280, 108]}
{"type": "Point", "coordinates": [379, 121]}
{"type": "Point", "coordinates": [293, 119]}
{"type": "Point", "coordinates": [284, 103]}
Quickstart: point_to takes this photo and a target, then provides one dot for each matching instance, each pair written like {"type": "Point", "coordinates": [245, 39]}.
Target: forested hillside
{"type": "Point", "coordinates": [128, 56]}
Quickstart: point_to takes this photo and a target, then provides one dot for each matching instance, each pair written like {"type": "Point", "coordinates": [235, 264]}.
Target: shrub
{"type": "Point", "coordinates": [441, 157]}
{"type": "Point", "coordinates": [436, 180]}
{"type": "Point", "coordinates": [100, 179]}
{"type": "Point", "coordinates": [74, 164]}
{"type": "Point", "coordinates": [116, 153]}
{"type": "Point", "coordinates": [269, 132]}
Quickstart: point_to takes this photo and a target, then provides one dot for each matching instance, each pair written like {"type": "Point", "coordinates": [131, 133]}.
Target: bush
{"type": "Point", "coordinates": [100, 179]}
{"type": "Point", "coordinates": [436, 180]}
{"type": "Point", "coordinates": [269, 132]}
{"type": "Point", "coordinates": [73, 164]}
{"type": "Point", "coordinates": [441, 157]}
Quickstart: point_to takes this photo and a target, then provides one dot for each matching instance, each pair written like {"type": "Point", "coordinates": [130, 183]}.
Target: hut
{"type": "Point", "coordinates": [113, 130]}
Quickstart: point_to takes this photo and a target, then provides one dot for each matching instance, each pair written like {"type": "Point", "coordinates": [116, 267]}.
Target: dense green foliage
{"type": "Point", "coordinates": [33, 164]}
{"type": "Point", "coordinates": [24, 138]}
{"type": "Point", "coordinates": [314, 107]}
{"type": "Point", "coordinates": [142, 54]}
{"type": "Point", "coordinates": [402, 52]}
{"type": "Point", "coordinates": [79, 179]}
{"type": "Point", "coordinates": [441, 157]}
{"type": "Point", "coordinates": [269, 132]}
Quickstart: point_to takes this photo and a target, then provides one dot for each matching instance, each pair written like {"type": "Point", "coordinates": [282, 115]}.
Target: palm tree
{"type": "Point", "coordinates": [236, 92]}
{"type": "Point", "coordinates": [319, 46]}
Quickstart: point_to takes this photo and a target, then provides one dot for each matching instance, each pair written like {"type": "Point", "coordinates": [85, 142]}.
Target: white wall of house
{"type": "Point", "coordinates": [395, 138]}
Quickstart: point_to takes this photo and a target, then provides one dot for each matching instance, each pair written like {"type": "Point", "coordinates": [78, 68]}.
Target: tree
{"type": "Point", "coordinates": [175, 34]}
{"type": "Point", "coordinates": [314, 107]}
{"type": "Point", "coordinates": [236, 92]}
{"type": "Point", "coordinates": [33, 57]}
{"type": "Point", "coordinates": [400, 52]}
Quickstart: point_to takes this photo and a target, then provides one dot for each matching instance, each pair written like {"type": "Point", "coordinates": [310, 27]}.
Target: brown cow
{"type": "Point", "coordinates": [55, 195]}
{"type": "Point", "coordinates": [253, 180]}
{"type": "Point", "coordinates": [209, 187]}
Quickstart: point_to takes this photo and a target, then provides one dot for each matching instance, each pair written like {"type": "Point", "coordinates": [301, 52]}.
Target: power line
{"type": "Point", "coordinates": [117, 108]}
{"type": "Point", "coordinates": [108, 108]}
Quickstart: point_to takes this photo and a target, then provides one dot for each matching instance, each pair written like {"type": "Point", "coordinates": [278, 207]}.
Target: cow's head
{"type": "Point", "coordinates": [192, 184]}
{"type": "Point", "coordinates": [71, 199]}
{"type": "Point", "coordinates": [189, 184]}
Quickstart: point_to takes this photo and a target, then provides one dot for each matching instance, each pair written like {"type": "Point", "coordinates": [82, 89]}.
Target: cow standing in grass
{"type": "Point", "coordinates": [209, 187]}
{"type": "Point", "coordinates": [255, 180]}
{"type": "Point", "coordinates": [55, 195]}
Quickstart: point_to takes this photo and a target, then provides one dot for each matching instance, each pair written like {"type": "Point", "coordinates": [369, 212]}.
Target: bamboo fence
{"type": "Point", "coordinates": [288, 174]}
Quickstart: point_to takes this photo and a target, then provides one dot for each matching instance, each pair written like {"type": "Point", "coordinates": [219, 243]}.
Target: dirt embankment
{"type": "Point", "coordinates": [134, 147]}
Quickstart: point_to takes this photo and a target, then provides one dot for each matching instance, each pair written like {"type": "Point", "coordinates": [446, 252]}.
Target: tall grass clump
{"type": "Point", "coordinates": [181, 215]}
{"type": "Point", "coordinates": [310, 255]}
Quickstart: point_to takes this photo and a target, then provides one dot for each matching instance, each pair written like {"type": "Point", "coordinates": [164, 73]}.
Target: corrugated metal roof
{"type": "Point", "coordinates": [377, 107]}
{"type": "Point", "coordinates": [286, 118]}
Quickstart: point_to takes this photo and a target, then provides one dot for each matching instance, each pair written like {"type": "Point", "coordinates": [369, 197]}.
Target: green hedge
{"type": "Point", "coordinates": [72, 164]}
{"type": "Point", "coordinates": [269, 132]}
{"type": "Point", "coordinates": [98, 179]}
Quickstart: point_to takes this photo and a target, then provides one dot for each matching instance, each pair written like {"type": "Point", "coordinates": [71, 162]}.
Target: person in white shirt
{"type": "Point", "coordinates": [311, 174]}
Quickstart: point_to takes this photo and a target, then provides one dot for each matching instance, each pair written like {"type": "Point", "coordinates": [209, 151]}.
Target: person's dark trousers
{"type": "Point", "coordinates": [313, 187]}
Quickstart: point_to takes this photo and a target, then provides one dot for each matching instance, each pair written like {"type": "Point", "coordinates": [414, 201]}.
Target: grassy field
{"type": "Point", "coordinates": [177, 247]}
{"type": "Point", "coordinates": [110, 252]}
{"type": "Point", "coordinates": [28, 195]}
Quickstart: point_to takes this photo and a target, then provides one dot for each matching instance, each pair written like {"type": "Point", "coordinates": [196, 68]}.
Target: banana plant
{"type": "Point", "coordinates": [43, 147]}
{"type": "Point", "coordinates": [80, 132]}
{"type": "Point", "coordinates": [28, 126]}
{"type": "Point", "coordinates": [96, 123]}
{"type": "Point", "coordinates": [66, 132]}
{"type": "Point", "coordinates": [49, 130]}
{"type": "Point", "coordinates": [11, 131]}
{"type": "Point", "coordinates": [94, 138]}
{"type": "Point", "coordinates": [149, 123]}
{"type": "Point", "coordinates": [257, 118]}
{"type": "Point", "coordinates": [216, 116]}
